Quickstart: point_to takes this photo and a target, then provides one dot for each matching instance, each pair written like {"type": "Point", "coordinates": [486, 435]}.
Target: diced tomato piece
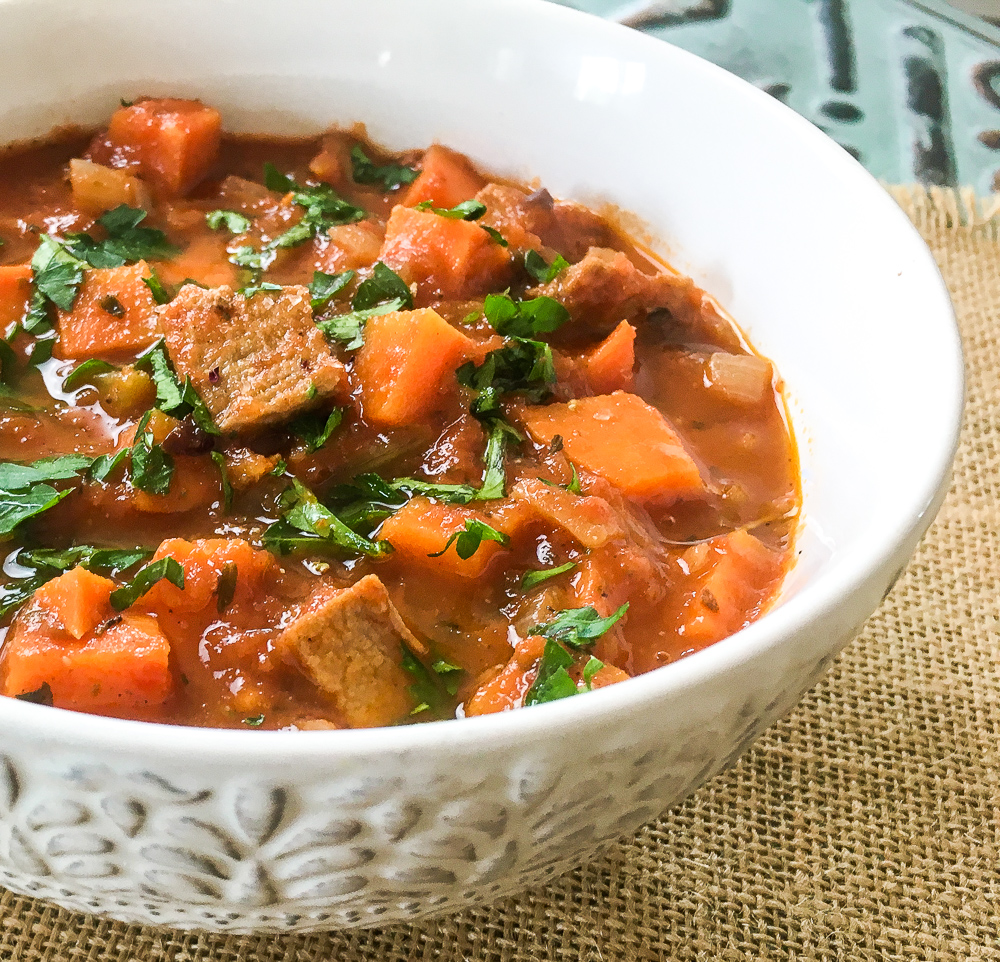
{"type": "Point", "coordinates": [114, 313]}
{"type": "Point", "coordinates": [624, 440]}
{"type": "Point", "coordinates": [406, 357]}
{"type": "Point", "coordinates": [445, 258]}
{"type": "Point", "coordinates": [446, 179]}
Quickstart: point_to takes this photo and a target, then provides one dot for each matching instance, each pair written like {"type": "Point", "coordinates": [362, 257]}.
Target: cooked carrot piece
{"type": "Point", "coordinates": [406, 357]}
{"type": "Point", "coordinates": [421, 528]}
{"type": "Point", "coordinates": [446, 178]}
{"type": "Point", "coordinates": [123, 668]}
{"type": "Point", "coordinates": [196, 483]}
{"type": "Point", "coordinates": [743, 574]}
{"type": "Point", "coordinates": [77, 601]}
{"type": "Point", "coordinates": [205, 561]}
{"type": "Point", "coordinates": [114, 312]}
{"type": "Point", "coordinates": [624, 440]}
{"type": "Point", "coordinates": [609, 365]}
{"type": "Point", "coordinates": [15, 292]}
{"type": "Point", "coordinates": [445, 258]}
{"type": "Point", "coordinates": [174, 141]}
{"type": "Point", "coordinates": [205, 260]}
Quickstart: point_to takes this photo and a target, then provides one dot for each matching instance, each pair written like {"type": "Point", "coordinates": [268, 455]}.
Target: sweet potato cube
{"type": "Point", "coordinates": [15, 292]}
{"type": "Point", "coordinates": [743, 575]}
{"type": "Point", "coordinates": [77, 601]}
{"type": "Point", "coordinates": [114, 313]}
{"type": "Point", "coordinates": [624, 440]}
{"type": "Point", "coordinates": [349, 642]}
{"type": "Point", "coordinates": [609, 365]}
{"type": "Point", "coordinates": [174, 141]}
{"type": "Point", "coordinates": [97, 188]}
{"type": "Point", "coordinates": [406, 357]}
{"type": "Point", "coordinates": [446, 178]}
{"type": "Point", "coordinates": [421, 528]}
{"type": "Point", "coordinates": [445, 258]}
{"type": "Point", "coordinates": [123, 668]}
{"type": "Point", "coordinates": [204, 562]}
{"type": "Point", "coordinates": [255, 361]}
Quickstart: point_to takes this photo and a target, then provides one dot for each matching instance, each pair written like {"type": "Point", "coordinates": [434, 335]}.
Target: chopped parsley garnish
{"type": "Point", "coordinates": [433, 688]}
{"type": "Point", "coordinates": [325, 287]}
{"type": "Point", "coordinates": [160, 294]}
{"type": "Point", "coordinates": [309, 525]}
{"type": "Point", "coordinates": [227, 489]}
{"type": "Point", "coordinates": [126, 241]}
{"type": "Point", "coordinates": [84, 372]}
{"type": "Point", "coordinates": [385, 291]}
{"type": "Point", "coordinates": [254, 721]}
{"type": "Point", "coordinates": [25, 491]}
{"type": "Point", "coordinates": [523, 366]}
{"type": "Point", "coordinates": [574, 485]}
{"type": "Point", "coordinates": [48, 563]}
{"type": "Point", "coordinates": [495, 234]}
{"type": "Point", "coordinates": [369, 498]}
{"type": "Point", "coordinates": [577, 628]}
{"type": "Point", "coordinates": [544, 273]}
{"type": "Point", "coordinates": [495, 476]}
{"type": "Point", "coordinates": [386, 176]}
{"type": "Point", "coordinates": [264, 287]}
{"type": "Point", "coordinates": [467, 210]}
{"type": "Point", "coordinates": [105, 465]}
{"type": "Point", "coordinates": [532, 578]}
{"type": "Point", "coordinates": [540, 315]}
{"type": "Point", "coordinates": [315, 428]}
{"type": "Point", "coordinates": [57, 274]}
{"type": "Point", "coordinates": [152, 468]}
{"type": "Point", "coordinates": [145, 578]}
{"type": "Point", "coordinates": [172, 396]}
{"type": "Point", "coordinates": [468, 540]}
{"type": "Point", "coordinates": [232, 220]}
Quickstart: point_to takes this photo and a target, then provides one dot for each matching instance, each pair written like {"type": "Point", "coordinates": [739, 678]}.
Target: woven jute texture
{"type": "Point", "coordinates": [865, 826]}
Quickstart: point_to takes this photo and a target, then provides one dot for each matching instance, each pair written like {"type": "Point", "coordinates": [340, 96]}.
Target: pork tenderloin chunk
{"type": "Point", "coordinates": [349, 642]}
{"type": "Point", "coordinates": [254, 361]}
{"type": "Point", "coordinates": [605, 287]}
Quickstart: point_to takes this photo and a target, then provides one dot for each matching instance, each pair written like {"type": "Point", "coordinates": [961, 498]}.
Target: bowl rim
{"type": "Point", "coordinates": [856, 564]}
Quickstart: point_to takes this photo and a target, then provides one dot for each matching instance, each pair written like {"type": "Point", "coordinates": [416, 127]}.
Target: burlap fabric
{"type": "Point", "coordinates": [865, 826]}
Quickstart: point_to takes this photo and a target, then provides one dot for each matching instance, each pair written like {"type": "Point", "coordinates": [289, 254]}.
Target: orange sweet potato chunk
{"type": "Point", "coordinates": [174, 141]}
{"type": "Point", "coordinates": [15, 292]}
{"type": "Point", "coordinates": [406, 358]}
{"type": "Point", "coordinates": [114, 312]}
{"type": "Point", "coordinates": [204, 562]}
{"type": "Point", "coordinates": [446, 178]}
{"type": "Point", "coordinates": [445, 258]}
{"type": "Point", "coordinates": [77, 601]}
{"type": "Point", "coordinates": [123, 668]}
{"type": "Point", "coordinates": [609, 365]}
{"type": "Point", "coordinates": [624, 440]}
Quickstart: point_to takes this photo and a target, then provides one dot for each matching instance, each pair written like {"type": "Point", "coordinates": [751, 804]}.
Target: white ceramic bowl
{"type": "Point", "coordinates": [267, 831]}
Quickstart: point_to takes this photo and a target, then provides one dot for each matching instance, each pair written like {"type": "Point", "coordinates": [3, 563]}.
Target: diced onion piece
{"type": "Point", "coordinates": [741, 378]}
{"type": "Point", "coordinates": [97, 188]}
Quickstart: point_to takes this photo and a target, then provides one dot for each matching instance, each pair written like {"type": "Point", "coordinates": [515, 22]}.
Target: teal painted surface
{"type": "Point", "coordinates": [909, 88]}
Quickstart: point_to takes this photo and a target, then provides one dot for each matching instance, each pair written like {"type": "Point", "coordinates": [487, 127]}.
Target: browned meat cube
{"type": "Point", "coordinates": [520, 217]}
{"type": "Point", "coordinates": [606, 288]}
{"type": "Point", "coordinates": [255, 361]}
{"type": "Point", "coordinates": [348, 641]}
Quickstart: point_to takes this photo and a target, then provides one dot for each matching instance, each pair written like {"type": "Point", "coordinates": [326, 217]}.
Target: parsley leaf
{"type": "Point", "coordinates": [511, 318]}
{"type": "Point", "coordinates": [129, 594]}
{"type": "Point", "coordinates": [544, 273]}
{"type": "Point", "coordinates": [532, 578]}
{"type": "Point", "coordinates": [369, 498]}
{"type": "Point", "coordinates": [495, 477]}
{"type": "Point", "coordinates": [25, 491]}
{"type": "Point", "coordinates": [160, 294]}
{"type": "Point", "coordinates": [173, 397]}
{"type": "Point", "coordinates": [19, 506]}
{"type": "Point", "coordinates": [348, 329]}
{"type": "Point", "coordinates": [255, 289]}
{"type": "Point", "coordinates": [578, 627]}
{"type": "Point", "coordinates": [387, 176]}
{"type": "Point", "coordinates": [553, 681]}
{"type": "Point", "coordinates": [523, 366]}
{"type": "Point", "coordinates": [495, 234]}
{"type": "Point", "coordinates": [434, 687]}
{"type": "Point", "coordinates": [467, 210]}
{"type": "Point", "coordinates": [310, 525]}
{"type": "Point", "coordinates": [574, 485]}
{"type": "Point", "coordinates": [468, 540]}
{"type": "Point", "coordinates": [57, 274]}
{"type": "Point", "coordinates": [324, 287]}
{"type": "Point", "coordinates": [593, 666]}
{"type": "Point", "coordinates": [152, 468]}
{"type": "Point", "coordinates": [84, 372]}
{"type": "Point", "coordinates": [103, 466]}
{"type": "Point", "coordinates": [383, 286]}
{"type": "Point", "coordinates": [126, 241]}
{"type": "Point", "coordinates": [315, 428]}
{"type": "Point", "coordinates": [232, 220]}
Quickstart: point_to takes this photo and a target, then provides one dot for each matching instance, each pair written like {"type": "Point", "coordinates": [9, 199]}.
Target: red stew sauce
{"type": "Point", "coordinates": [303, 434]}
